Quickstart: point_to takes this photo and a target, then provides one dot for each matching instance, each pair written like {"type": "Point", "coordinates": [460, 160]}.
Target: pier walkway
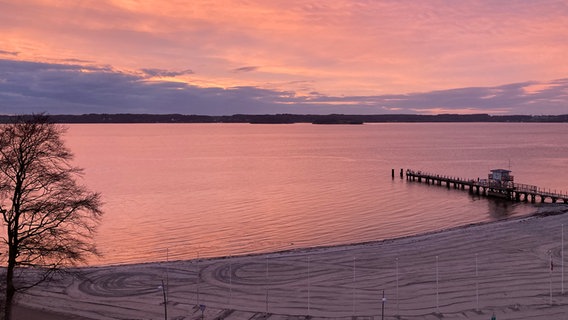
{"type": "Point", "coordinates": [486, 187]}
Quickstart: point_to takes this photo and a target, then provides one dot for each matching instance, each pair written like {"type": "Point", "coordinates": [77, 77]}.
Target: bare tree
{"type": "Point", "coordinates": [49, 219]}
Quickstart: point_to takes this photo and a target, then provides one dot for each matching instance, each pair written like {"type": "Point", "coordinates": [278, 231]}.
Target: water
{"type": "Point", "coordinates": [201, 190]}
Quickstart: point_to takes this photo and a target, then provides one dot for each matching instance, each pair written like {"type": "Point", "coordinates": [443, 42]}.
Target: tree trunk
{"type": "Point", "coordinates": [10, 289]}
{"type": "Point", "coordinates": [12, 257]}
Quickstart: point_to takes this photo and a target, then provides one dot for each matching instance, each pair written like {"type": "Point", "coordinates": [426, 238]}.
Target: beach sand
{"type": "Point", "coordinates": [22, 313]}
{"type": "Point", "coordinates": [470, 272]}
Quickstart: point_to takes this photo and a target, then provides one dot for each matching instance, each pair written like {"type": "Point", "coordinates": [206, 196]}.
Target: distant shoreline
{"type": "Point", "coordinates": [296, 118]}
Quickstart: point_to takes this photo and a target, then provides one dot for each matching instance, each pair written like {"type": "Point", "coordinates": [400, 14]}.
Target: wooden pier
{"type": "Point", "coordinates": [490, 187]}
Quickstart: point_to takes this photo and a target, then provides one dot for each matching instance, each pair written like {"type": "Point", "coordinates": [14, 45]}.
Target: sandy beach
{"type": "Point", "coordinates": [471, 272]}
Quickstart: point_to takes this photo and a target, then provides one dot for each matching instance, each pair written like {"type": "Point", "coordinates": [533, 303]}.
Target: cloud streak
{"type": "Point", "coordinates": [54, 88]}
{"type": "Point", "coordinates": [245, 69]}
{"type": "Point", "coordinates": [9, 53]}
{"type": "Point", "coordinates": [165, 73]}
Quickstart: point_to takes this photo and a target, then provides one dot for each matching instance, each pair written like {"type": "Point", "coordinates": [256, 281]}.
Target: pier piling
{"type": "Point", "coordinates": [488, 187]}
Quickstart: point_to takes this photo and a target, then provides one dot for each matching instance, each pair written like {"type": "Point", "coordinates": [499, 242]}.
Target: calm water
{"type": "Point", "coordinates": [221, 189]}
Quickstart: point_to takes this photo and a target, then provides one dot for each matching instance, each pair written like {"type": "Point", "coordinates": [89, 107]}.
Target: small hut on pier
{"type": "Point", "coordinates": [501, 175]}
{"type": "Point", "coordinates": [500, 183]}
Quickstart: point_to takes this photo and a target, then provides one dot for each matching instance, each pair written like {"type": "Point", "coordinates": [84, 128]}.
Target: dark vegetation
{"type": "Point", "coordinates": [293, 118]}
{"type": "Point", "coordinates": [48, 218]}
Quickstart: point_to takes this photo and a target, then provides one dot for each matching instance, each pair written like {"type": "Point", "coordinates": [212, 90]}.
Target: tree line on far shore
{"type": "Point", "coordinates": [293, 118]}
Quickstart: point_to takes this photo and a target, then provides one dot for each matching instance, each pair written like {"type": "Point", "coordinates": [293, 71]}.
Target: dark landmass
{"type": "Point", "coordinates": [337, 120]}
{"type": "Point", "coordinates": [293, 118]}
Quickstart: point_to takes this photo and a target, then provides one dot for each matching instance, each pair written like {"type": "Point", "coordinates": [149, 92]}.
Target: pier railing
{"type": "Point", "coordinates": [508, 189]}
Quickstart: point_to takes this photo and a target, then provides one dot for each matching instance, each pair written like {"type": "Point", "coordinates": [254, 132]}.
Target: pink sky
{"type": "Point", "coordinates": [304, 49]}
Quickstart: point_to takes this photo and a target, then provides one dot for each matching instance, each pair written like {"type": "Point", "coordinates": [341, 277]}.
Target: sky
{"type": "Point", "coordinates": [227, 57]}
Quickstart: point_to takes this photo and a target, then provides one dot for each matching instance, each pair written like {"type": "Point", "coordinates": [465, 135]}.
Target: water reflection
{"type": "Point", "coordinates": [500, 208]}
{"type": "Point", "coordinates": [225, 186]}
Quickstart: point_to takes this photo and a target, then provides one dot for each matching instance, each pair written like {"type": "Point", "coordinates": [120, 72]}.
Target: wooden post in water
{"type": "Point", "coordinates": [393, 173]}
{"type": "Point", "coordinates": [401, 173]}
